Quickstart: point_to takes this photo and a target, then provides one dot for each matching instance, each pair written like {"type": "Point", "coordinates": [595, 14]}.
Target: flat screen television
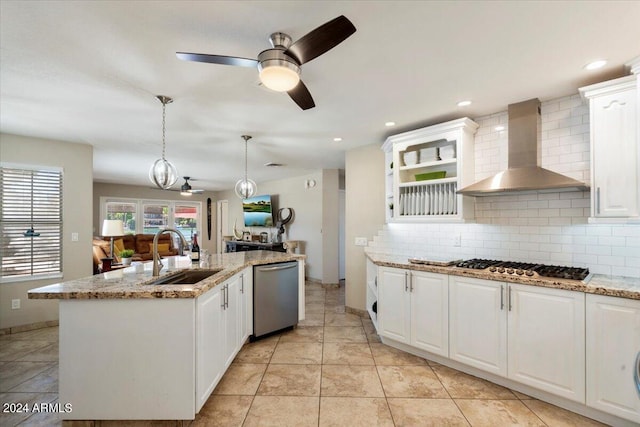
{"type": "Point", "coordinates": [258, 211]}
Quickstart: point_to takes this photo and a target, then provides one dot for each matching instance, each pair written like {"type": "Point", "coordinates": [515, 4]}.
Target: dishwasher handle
{"type": "Point", "coordinates": [278, 267]}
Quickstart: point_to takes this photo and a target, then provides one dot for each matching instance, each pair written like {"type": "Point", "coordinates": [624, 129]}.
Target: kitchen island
{"type": "Point", "coordinates": [131, 350]}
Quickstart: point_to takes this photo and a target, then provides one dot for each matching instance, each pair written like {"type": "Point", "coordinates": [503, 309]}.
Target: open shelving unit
{"type": "Point", "coordinates": [446, 148]}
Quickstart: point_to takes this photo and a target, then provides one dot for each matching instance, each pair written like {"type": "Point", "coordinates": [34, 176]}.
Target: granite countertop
{"type": "Point", "coordinates": [133, 282]}
{"type": "Point", "coordinates": [615, 286]}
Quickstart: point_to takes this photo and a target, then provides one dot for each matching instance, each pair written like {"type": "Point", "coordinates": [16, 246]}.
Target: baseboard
{"type": "Point", "coordinates": [356, 311]}
{"type": "Point", "coordinates": [28, 327]}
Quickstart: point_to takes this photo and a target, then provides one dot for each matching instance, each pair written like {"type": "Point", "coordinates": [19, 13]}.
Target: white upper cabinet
{"type": "Point", "coordinates": [615, 151]}
{"type": "Point", "coordinates": [425, 168]}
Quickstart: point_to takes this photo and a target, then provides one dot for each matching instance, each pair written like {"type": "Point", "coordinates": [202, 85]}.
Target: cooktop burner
{"type": "Point", "coordinates": [526, 269]}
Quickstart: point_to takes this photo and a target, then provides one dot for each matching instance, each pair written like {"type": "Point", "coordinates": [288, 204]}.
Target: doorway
{"type": "Point", "coordinates": [222, 224]}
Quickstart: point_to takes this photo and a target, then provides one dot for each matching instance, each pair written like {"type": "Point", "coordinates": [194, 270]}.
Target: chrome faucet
{"type": "Point", "coordinates": [157, 265]}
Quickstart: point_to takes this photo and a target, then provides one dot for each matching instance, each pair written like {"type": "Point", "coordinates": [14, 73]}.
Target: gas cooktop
{"type": "Point", "coordinates": [526, 269]}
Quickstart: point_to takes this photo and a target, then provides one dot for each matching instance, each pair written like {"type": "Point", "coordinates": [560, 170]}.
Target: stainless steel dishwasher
{"type": "Point", "coordinates": [275, 297]}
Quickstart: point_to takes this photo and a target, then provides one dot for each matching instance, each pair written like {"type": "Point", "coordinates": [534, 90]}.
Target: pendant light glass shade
{"type": "Point", "coordinates": [245, 187]}
{"type": "Point", "coordinates": [163, 173]}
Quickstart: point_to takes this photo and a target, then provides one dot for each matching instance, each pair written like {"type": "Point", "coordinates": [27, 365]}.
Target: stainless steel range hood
{"type": "Point", "coordinates": [524, 173]}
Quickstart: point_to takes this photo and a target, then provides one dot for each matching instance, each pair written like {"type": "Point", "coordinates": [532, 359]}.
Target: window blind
{"type": "Point", "coordinates": [30, 200]}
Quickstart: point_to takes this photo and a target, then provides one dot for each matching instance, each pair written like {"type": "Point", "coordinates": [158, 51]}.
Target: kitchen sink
{"type": "Point", "coordinates": [187, 277]}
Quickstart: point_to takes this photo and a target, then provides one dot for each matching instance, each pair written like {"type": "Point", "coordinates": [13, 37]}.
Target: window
{"type": "Point", "coordinates": [151, 216]}
{"type": "Point", "coordinates": [125, 212]}
{"type": "Point", "coordinates": [30, 223]}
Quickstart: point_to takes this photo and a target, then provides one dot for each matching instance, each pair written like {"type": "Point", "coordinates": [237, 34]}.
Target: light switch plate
{"type": "Point", "coordinates": [15, 304]}
{"type": "Point", "coordinates": [74, 237]}
{"type": "Point", "coordinates": [361, 241]}
{"type": "Point", "coordinates": [457, 240]}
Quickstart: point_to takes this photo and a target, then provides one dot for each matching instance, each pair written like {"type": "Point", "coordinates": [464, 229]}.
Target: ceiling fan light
{"type": "Point", "coordinates": [163, 174]}
{"type": "Point", "coordinates": [246, 188]}
{"type": "Point", "coordinates": [278, 75]}
{"type": "Point", "coordinates": [185, 193]}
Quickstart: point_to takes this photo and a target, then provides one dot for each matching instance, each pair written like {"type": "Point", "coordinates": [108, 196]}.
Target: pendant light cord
{"type": "Point", "coordinates": [246, 138]}
{"type": "Point", "coordinates": [164, 106]}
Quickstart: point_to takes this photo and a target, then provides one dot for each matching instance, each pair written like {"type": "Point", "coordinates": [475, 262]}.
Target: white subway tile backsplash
{"type": "Point", "coordinates": [546, 227]}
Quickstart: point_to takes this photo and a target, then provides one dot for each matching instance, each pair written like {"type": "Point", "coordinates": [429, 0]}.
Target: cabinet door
{"type": "Point", "coordinates": [478, 323]}
{"type": "Point", "coordinates": [430, 312]}
{"type": "Point", "coordinates": [546, 339]}
{"type": "Point", "coordinates": [613, 348]}
{"type": "Point", "coordinates": [209, 337]}
{"type": "Point", "coordinates": [394, 304]}
{"type": "Point", "coordinates": [615, 154]}
{"type": "Point", "coordinates": [246, 303]}
{"type": "Point", "coordinates": [232, 319]}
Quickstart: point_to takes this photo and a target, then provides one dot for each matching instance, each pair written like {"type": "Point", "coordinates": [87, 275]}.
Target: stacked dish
{"type": "Point", "coordinates": [410, 158]}
{"type": "Point", "coordinates": [447, 152]}
{"type": "Point", "coordinates": [429, 154]}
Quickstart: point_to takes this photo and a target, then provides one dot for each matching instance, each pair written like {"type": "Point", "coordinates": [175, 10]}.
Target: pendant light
{"type": "Point", "coordinates": [246, 187]}
{"type": "Point", "coordinates": [163, 173]}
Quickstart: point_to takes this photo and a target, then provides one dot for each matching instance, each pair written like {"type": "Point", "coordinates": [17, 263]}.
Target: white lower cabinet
{"type": "Point", "coordinates": [478, 323]}
{"type": "Point", "coordinates": [221, 330]}
{"type": "Point", "coordinates": [209, 336]}
{"type": "Point", "coordinates": [530, 334]}
{"type": "Point", "coordinates": [546, 339]}
{"type": "Point", "coordinates": [246, 297]}
{"type": "Point", "coordinates": [413, 308]}
{"type": "Point", "coordinates": [613, 355]}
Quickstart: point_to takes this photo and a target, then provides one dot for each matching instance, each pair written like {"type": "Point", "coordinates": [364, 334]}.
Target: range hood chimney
{"type": "Point", "coordinates": [524, 173]}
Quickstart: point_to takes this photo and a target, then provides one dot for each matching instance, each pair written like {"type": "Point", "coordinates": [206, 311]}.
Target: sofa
{"type": "Point", "coordinates": [141, 244]}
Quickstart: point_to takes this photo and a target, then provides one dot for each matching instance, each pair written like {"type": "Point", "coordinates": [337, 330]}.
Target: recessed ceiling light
{"type": "Point", "coordinates": [337, 139]}
{"type": "Point", "coordinates": [464, 103]}
{"type": "Point", "coordinates": [595, 65]}
{"type": "Point", "coordinates": [499, 128]}
{"type": "Point", "coordinates": [389, 124]}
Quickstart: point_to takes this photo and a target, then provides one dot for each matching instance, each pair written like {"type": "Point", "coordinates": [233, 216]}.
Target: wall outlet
{"type": "Point", "coordinates": [457, 240]}
{"type": "Point", "coordinates": [74, 237]}
{"type": "Point", "coordinates": [15, 304]}
{"type": "Point", "coordinates": [361, 241]}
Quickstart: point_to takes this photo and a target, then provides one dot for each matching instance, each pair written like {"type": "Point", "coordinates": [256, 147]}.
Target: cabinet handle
{"type": "Point", "coordinates": [223, 298]}
{"type": "Point", "coordinates": [406, 281]}
{"type": "Point", "coordinates": [226, 296]}
{"type": "Point", "coordinates": [375, 281]}
{"type": "Point", "coordinates": [410, 282]}
{"type": "Point", "coordinates": [636, 374]}
{"type": "Point", "coordinates": [242, 284]}
{"type": "Point", "coordinates": [501, 297]}
{"type": "Point", "coordinates": [598, 200]}
{"type": "Point", "coordinates": [509, 298]}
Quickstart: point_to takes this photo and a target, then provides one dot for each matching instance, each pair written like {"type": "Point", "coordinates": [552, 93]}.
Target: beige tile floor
{"type": "Point", "coordinates": [330, 371]}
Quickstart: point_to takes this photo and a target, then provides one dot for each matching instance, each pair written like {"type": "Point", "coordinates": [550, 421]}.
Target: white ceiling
{"type": "Point", "coordinates": [88, 72]}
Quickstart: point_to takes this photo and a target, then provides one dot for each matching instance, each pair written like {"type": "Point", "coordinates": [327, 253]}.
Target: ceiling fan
{"type": "Point", "coordinates": [279, 67]}
{"type": "Point", "coordinates": [186, 189]}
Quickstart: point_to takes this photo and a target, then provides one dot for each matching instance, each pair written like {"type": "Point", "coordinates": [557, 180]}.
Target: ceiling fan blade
{"type": "Point", "coordinates": [217, 59]}
{"type": "Point", "coordinates": [301, 96]}
{"type": "Point", "coordinates": [322, 39]}
{"type": "Point", "coordinates": [197, 191]}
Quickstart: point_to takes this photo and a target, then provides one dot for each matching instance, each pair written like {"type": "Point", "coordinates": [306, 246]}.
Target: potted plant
{"type": "Point", "coordinates": [125, 256]}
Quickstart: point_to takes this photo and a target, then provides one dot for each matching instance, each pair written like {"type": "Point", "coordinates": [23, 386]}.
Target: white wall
{"type": "Point", "coordinates": [550, 228]}
{"type": "Point", "coordinates": [330, 227]}
{"type": "Point", "coordinates": [364, 214]}
{"type": "Point", "coordinates": [76, 160]}
{"type": "Point", "coordinates": [307, 223]}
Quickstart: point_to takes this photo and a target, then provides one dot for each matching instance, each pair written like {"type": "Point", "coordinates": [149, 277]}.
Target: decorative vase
{"type": "Point", "coordinates": [126, 261]}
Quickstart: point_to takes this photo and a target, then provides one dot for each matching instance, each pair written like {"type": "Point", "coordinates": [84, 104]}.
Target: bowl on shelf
{"type": "Point", "coordinates": [431, 175]}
